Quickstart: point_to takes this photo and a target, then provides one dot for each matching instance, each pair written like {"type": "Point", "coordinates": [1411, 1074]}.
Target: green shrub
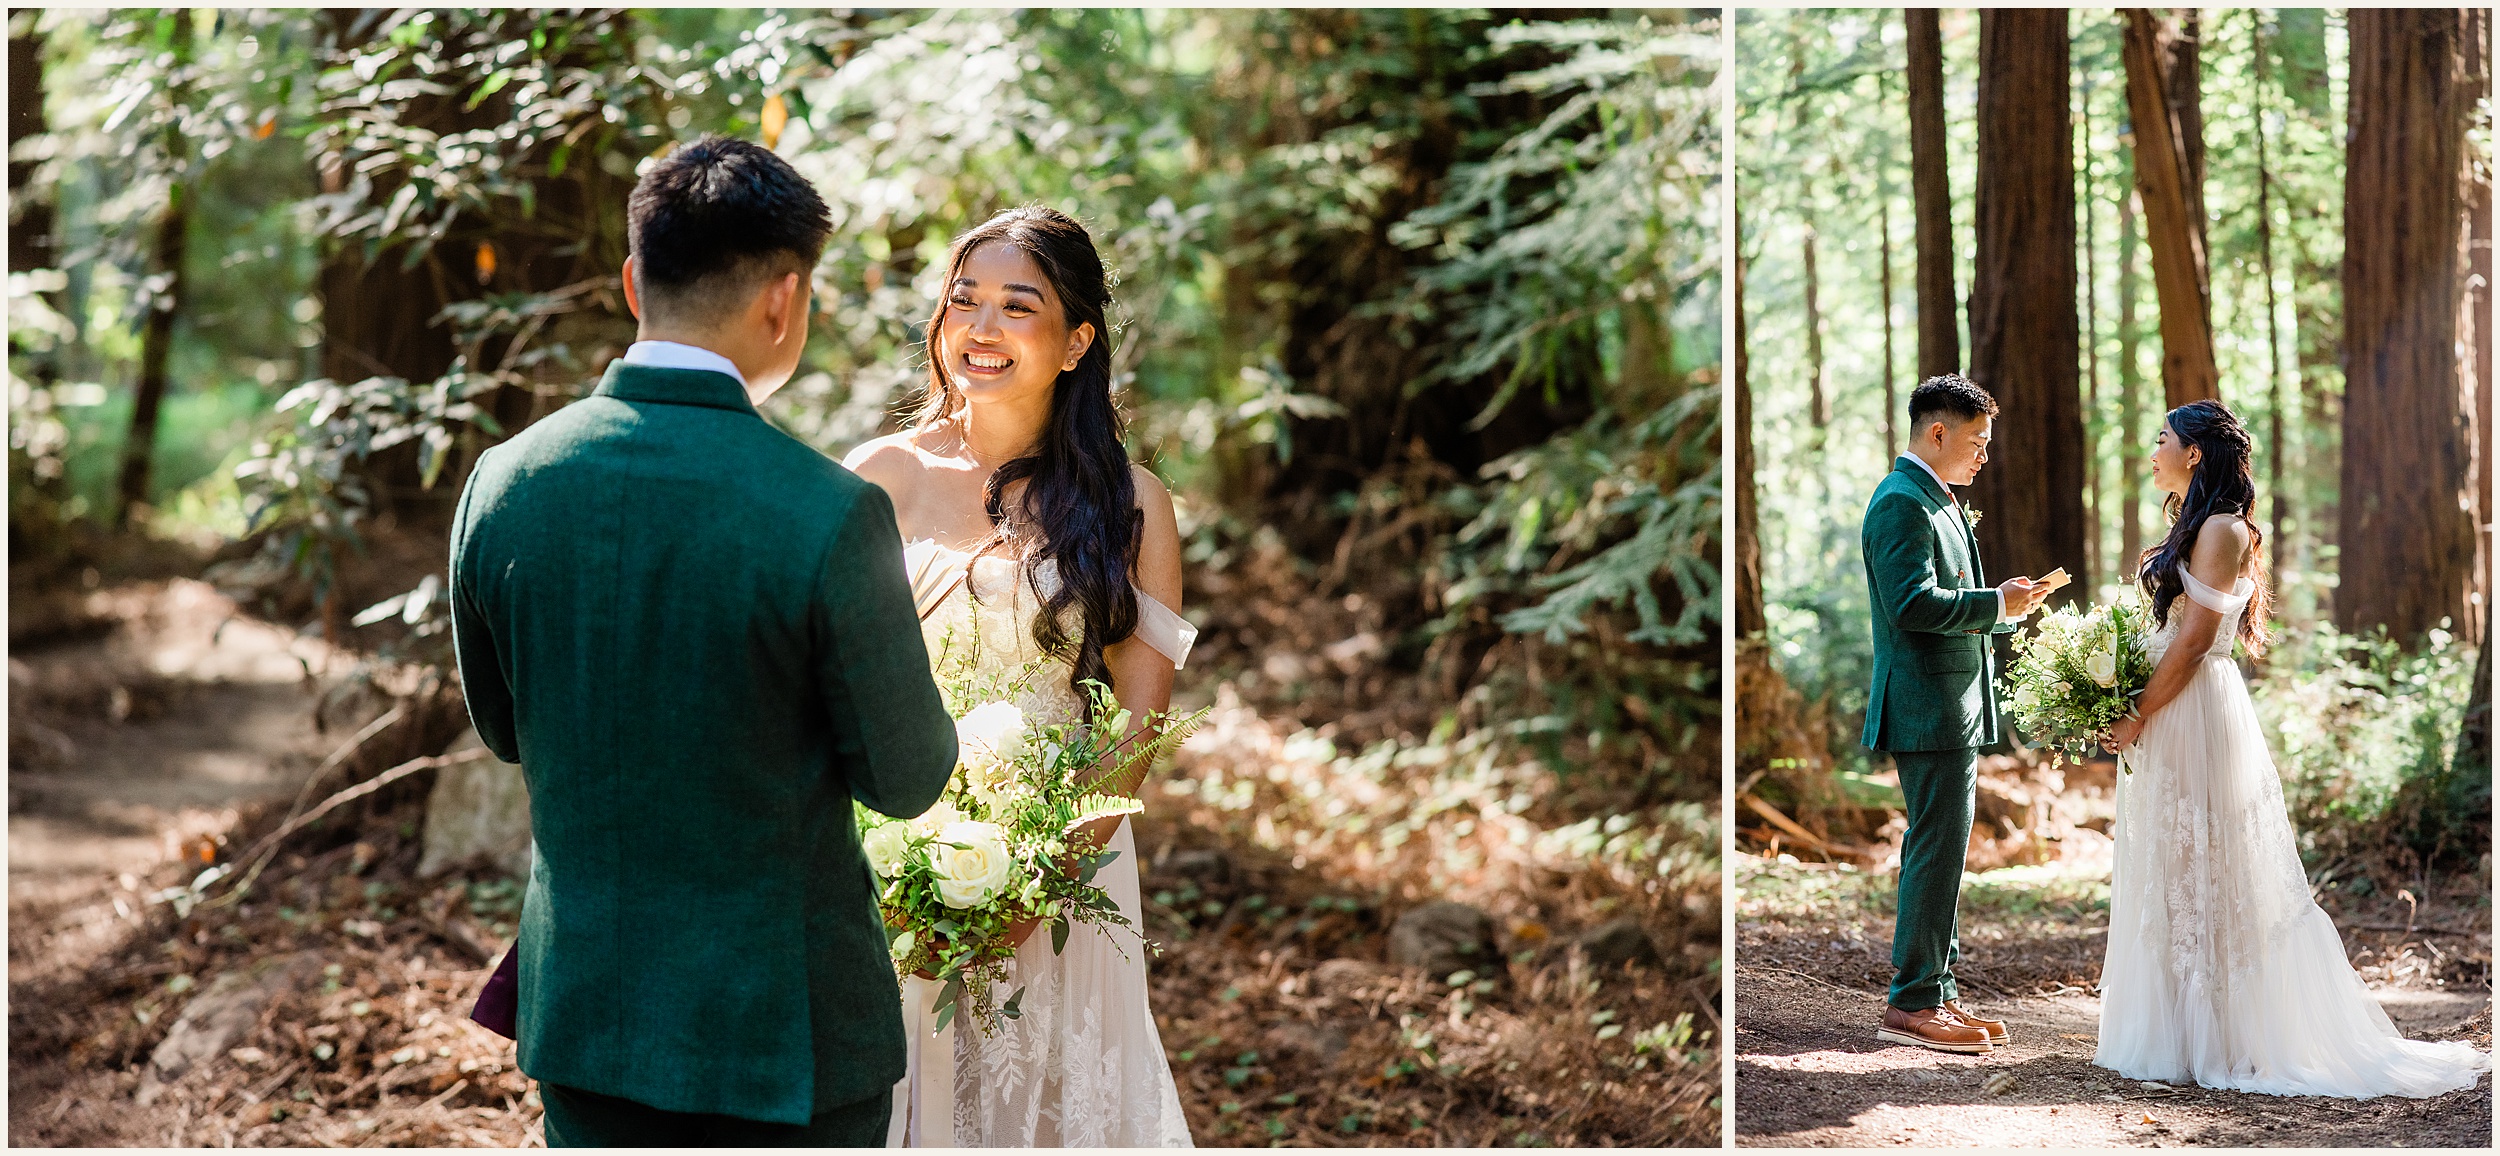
{"type": "Point", "coordinates": [2363, 734]}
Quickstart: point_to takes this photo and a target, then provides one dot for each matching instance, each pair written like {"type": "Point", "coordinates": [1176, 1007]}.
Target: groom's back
{"type": "Point", "coordinates": [653, 563]}
{"type": "Point", "coordinates": [695, 635]}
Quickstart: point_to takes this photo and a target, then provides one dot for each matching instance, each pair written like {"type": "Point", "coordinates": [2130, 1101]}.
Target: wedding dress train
{"type": "Point", "coordinates": [1084, 1065]}
{"type": "Point", "coordinates": [2220, 967]}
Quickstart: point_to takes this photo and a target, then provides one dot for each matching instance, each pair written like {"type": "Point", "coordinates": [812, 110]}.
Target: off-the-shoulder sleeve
{"type": "Point", "coordinates": [1159, 626]}
{"type": "Point", "coordinates": [2207, 596]}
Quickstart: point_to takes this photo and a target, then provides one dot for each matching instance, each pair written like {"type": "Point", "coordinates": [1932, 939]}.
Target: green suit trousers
{"type": "Point", "coordinates": [1941, 789]}
{"type": "Point", "coordinates": [579, 1119]}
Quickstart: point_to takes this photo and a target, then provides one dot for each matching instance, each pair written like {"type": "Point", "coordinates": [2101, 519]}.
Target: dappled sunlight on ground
{"type": "Point", "coordinates": [1813, 956]}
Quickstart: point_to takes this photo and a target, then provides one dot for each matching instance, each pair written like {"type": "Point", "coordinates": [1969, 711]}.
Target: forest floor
{"type": "Point", "coordinates": [1814, 955]}
{"type": "Point", "coordinates": [157, 727]}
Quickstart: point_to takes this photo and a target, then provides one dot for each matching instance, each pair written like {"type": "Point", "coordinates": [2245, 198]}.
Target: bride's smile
{"type": "Point", "coordinates": [1007, 338]}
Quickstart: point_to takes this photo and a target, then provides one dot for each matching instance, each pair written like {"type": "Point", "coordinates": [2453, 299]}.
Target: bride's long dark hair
{"type": "Point", "coordinates": [2220, 484]}
{"type": "Point", "coordinates": [1078, 489]}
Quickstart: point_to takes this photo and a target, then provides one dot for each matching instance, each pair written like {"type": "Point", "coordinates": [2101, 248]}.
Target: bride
{"type": "Point", "coordinates": [1015, 490]}
{"type": "Point", "coordinates": [2220, 968]}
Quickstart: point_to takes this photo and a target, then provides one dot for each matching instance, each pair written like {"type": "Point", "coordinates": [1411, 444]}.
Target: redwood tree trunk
{"type": "Point", "coordinates": [1819, 402]}
{"type": "Point", "coordinates": [156, 343]}
{"type": "Point", "coordinates": [2092, 505]}
{"type": "Point", "coordinates": [2407, 529]}
{"type": "Point", "coordinates": [2171, 180]}
{"type": "Point", "coordinates": [2183, 90]}
{"type": "Point", "coordinates": [1931, 197]}
{"type": "Point", "coordinates": [1750, 619]}
{"type": "Point", "coordinates": [2024, 343]}
{"type": "Point", "coordinates": [2130, 401]}
{"type": "Point", "coordinates": [2477, 316]}
{"type": "Point", "coordinates": [1883, 243]}
{"type": "Point", "coordinates": [30, 218]}
{"type": "Point", "coordinates": [2276, 448]}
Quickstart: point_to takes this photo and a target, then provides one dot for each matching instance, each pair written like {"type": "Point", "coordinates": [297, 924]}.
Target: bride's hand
{"type": "Point", "coordinates": [2122, 735]}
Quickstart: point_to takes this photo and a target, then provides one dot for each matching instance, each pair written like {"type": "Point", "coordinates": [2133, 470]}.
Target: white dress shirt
{"type": "Point", "coordinates": [1921, 463]}
{"type": "Point", "coordinates": [678, 355]}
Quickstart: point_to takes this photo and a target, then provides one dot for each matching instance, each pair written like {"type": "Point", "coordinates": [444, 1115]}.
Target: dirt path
{"type": "Point", "coordinates": [139, 734]}
{"type": "Point", "coordinates": [1809, 1073]}
{"type": "Point", "coordinates": [1813, 951]}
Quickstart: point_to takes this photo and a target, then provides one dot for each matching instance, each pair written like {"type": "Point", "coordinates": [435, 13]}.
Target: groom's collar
{"type": "Point", "coordinates": [665, 385]}
{"type": "Point", "coordinates": [1910, 464]}
{"type": "Point", "coordinates": [679, 355]}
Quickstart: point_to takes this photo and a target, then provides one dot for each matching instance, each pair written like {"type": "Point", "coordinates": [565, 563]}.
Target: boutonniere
{"type": "Point", "coordinates": [1971, 513]}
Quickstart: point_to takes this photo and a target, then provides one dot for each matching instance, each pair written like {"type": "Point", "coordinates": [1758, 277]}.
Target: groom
{"type": "Point", "coordinates": [1933, 704]}
{"type": "Point", "coordinates": [695, 636]}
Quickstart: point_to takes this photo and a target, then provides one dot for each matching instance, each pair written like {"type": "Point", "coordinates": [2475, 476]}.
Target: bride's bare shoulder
{"type": "Point", "coordinates": [2224, 538]}
{"type": "Point", "coordinates": [886, 460]}
{"type": "Point", "coordinates": [1154, 500]}
{"type": "Point", "coordinates": [1159, 546]}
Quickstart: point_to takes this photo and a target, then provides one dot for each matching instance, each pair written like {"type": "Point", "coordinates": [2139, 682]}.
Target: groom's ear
{"type": "Point", "coordinates": [633, 292]}
{"type": "Point", "coordinates": [781, 305]}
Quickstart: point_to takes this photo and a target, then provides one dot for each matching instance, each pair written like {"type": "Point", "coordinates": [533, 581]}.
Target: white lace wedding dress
{"type": "Point", "coordinates": [1084, 1065]}
{"type": "Point", "coordinates": [2220, 968]}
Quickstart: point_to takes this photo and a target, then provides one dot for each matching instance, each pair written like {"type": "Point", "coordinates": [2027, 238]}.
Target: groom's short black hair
{"type": "Point", "coordinates": [1948, 393]}
{"type": "Point", "coordinates": [715, 215]}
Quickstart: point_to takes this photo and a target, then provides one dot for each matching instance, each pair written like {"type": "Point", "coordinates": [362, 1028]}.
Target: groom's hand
{"type": "Point", "coordinates": [2022, 595]}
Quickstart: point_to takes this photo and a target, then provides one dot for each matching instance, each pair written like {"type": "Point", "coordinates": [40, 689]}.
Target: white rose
{"type": "Point", "coordinates": [989, 780]}
{"type": "Point", "coordinates": [971, 863]}
{"type": "Point", "coordinates": [935, 819]}
{"type": "Point", "coordinates": [888, 846]}
{"type": "Point", "coordinates": [2103, 667]}
{"type": "Point", "coordinates": [992, 733]}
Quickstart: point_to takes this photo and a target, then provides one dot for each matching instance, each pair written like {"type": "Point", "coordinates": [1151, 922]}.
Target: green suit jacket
{"type": "Point", "coordinates": [695, 636]}
{"type": "Point", "coordinates": [1935, 684]}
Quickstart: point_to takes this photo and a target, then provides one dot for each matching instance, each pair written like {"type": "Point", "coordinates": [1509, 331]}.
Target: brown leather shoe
{"type": "Point", "coordinates": [1932, 1028]}
{"type": "Point", "coordinates": [1994, 1028]}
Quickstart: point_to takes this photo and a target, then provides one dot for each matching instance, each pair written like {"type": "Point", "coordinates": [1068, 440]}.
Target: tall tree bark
{"type": "Point", "coordinates": [1931, 198]}
{"type": "Point", "coordinates": [2276, 447]}
{"type": "Point", "coordinates": [2024, 344]}
{"type": "Point", "coordinates": [1883, 241]}
{"type": "Point", "coordinates": [156, 345]}
{"type": "Point", "coordinates": [2130, 395]}
{"type": "Point", "coordinates": [1750, 618]}
{"type": "Point", "coordinates": [30, 209]}
{"type": "Point", "coordinates": [2173, 211]}
{"type": "Point", "coordinates": [2091, 353]}
{"type": "Point", "coordinates": [2316, 338]}
{"type": "Point", "coordinates": [1820, 401]}
{"type": "Point", "coordinates": [2478, 320]}
{"type": "Point", "coordinates": [2183, 90]}
{"type": "Point", "coordinates": [2408, 532]}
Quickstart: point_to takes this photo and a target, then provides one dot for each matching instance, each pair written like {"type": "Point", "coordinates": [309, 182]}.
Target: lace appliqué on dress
{"type": "Point", "coordinates": [2220, 968]}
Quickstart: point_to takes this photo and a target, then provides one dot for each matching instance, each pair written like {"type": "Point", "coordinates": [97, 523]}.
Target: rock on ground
{"type": "Point", "coordinates": [477, 811]}
{"type": "Point", "coordinates": [219, 1016]}
{"type": "Point", "coordinates": [1445, 937]}
{"type": "Point", "coordinates": [1619, 942]}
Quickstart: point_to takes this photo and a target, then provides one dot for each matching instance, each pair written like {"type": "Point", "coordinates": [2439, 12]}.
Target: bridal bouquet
{"type": "Point", "coordinates": [2078, 672]}
{"type": "Point", "coordinates": [1004, 846]}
